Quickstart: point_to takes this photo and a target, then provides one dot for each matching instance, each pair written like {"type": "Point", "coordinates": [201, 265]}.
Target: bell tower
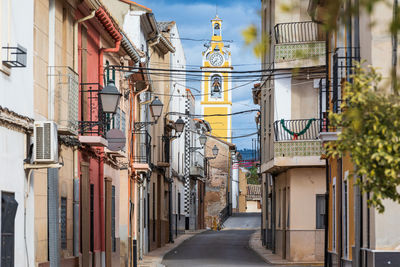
{"type": "Point", "coordinates": [216, 83]}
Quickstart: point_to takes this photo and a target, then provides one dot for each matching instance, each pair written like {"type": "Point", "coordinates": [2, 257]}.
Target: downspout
{"type": "Point", "coordinates": [349, 40]}
{"type": "Point", "coordinates": [133, 171]}
{"type": "Point", "coordinates": [394, 49]}
{"type": "Point", "coordinates": [76, 203]}
{"type": "Point", "coordinates": [326, 213]}
{"type": "Point", "coordinates": [108, 24]}
{"type": "Point", "coordinates": [357, 193]}
{"type": "Point", "coordinates": [52, 173]}
{"type": "Point", "coordinates": [76, 24]}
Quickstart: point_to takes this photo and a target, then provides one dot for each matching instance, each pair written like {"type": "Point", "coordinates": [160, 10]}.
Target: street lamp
{"type": "Point", "coordinates": [156, 107]}
{"type": "Point", "coordinates": [203, 140]}
{"type": "Point", "coordinates": [215, 151]}
{"type": "Point", "coordinates": [179, 125]}
{"type": "Point", "coordinates": [110, 98]}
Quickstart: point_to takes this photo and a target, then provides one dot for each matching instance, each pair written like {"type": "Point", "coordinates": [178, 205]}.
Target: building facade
{"type": "Point", "coordinates": [293, 174]}
{"type": "Point", "coordinates": [17, 184]}
{"type": "Point", "coordinates": [358, 235]}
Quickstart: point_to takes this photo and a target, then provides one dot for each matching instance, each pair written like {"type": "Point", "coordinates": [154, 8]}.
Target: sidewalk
{"type": "Point", "coordinates": [155, 257]}
{"type": "Point", "coordinates": [269, 257]}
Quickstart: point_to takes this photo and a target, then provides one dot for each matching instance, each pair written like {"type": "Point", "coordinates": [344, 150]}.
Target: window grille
{"type": "Point", "coordinates": [64, 223]}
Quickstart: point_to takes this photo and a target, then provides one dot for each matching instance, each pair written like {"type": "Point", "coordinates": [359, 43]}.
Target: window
{"type": "Point", "coordinates": [217, 29]}
{"type": "Point", "coordinates": [63, 223]}
{"type": "Point", "coordinates": [320, 212]}
{"type": "Point", "coordinates": [123, 126]}
{"type": "Point", "coordinates": [8, 210]}
{"type": "Point", "coordinates": [216, 86]}
{"type": "Point", "coordinates": [92, 217]}
{"type": "Point", "coordinates": [113, 218]}
{"type": "Point", "coordinates": [334, 214]}
{"type": "Point", "coordinates": [117, 119]}
{"type": "Point", "coordinates": [154, 212]}
{"type": "Point", "coordinates": [345, 218]}
{"type": "Point", "coordinates": [179, 206]}
{"type": "Point", "coordinates": [280, 207]}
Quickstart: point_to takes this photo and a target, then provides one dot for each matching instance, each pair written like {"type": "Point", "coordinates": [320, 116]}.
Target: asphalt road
{"type": "Point", "coordinates": [243, 221]}
{"type": "Point", "coordinates": [215, 248]}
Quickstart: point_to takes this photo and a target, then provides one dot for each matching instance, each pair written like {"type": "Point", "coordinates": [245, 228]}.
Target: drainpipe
{"type": "Point", "coordinates": [76, 203]}
{"type": "Point", "coordinates": [106, 50]}
{"type": "Point", "coordinates": [134, 173]}
{"type": "Point", "coordinates": [357, 193]}
{"type": "Point", "coordinates": [394, 50]}
{"type": "Point", "coordinates": [76, 38]}
{"type": "Point", "coordinates": [326, 212]}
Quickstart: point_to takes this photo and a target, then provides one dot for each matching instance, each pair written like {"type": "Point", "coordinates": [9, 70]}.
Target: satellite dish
{"type": "Point", "coordinates": [116, 140]}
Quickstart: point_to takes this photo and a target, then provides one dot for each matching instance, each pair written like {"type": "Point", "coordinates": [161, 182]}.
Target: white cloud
{"type": "Point", "coordinates": [193, 21]}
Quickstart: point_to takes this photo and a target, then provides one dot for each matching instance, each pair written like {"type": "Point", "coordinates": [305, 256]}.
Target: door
{"type": "Point", "coordinates": [8, 211]}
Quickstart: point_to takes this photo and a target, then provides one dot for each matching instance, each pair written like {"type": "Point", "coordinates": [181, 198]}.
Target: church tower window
{"type": "Point", "coordinates": [216, 86]}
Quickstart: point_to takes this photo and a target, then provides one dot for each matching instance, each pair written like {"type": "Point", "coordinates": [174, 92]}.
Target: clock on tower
{"type": "Point", "coordinates": [216, 83]}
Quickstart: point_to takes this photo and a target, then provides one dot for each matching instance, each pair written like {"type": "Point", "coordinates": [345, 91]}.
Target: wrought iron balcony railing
{"type": "Point", "coordinates": [304, 129]}
{"type": "Point", "coordinates": [93, 119]}
{"type": "Point", "coordinates": [141, 146]}
{"type": "Point", "coordinates": [298, 32]}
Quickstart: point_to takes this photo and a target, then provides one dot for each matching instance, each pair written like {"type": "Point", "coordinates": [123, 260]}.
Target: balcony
{"type": "Point", "coordinates": [296, 145]}
{"type": "Point", "coordinates": [141, 149]}
{"type": "Point", "coordinates": [300, 44]}
{"type": "Point", "coordinates": [93, 123]}
{"type": "Point", "coordinates": [197, 165]}
{"type": "Point", "coordinates": [66, 87]}
{"type": "Point", "coordinates": [331, 97]}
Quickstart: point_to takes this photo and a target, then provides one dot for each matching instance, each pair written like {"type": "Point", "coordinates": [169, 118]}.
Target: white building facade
{"type": "Point", "coordinates": [16, 113]}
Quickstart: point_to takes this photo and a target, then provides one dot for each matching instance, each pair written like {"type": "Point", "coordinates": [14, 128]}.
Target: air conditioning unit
{"type": "Point", "coordinates": [45, 148]}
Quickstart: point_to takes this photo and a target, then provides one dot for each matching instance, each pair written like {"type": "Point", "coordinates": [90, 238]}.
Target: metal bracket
{"type": "Point", "coordinates": [192, 149]}
{"type": "Point", "coordinates": [140, 125]}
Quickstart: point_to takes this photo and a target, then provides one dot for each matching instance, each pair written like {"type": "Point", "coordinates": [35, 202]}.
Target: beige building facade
{"type": "Point", "coordinates": [292, 172]}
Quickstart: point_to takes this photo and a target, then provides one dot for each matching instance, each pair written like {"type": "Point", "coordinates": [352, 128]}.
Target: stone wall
{"type": "Point", "coordinates": [215, 198]}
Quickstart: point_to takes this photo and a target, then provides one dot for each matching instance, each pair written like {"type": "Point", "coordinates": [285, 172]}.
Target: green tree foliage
{"type": "Point", "coordinates": [369, 126]}
{"type": "Point", "coordinates": [252, 176]}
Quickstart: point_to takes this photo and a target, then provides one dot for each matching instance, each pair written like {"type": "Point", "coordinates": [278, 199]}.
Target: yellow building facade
{"type": "Point", "coordinates": [216, 83]}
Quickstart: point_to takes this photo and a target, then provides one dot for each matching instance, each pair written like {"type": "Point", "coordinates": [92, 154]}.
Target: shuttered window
{"type": "Point", "coordinates": [92, 217]}
{"type": "Point", "coordinates": [63, 223]}
{"type": "Point", "coordinates": [8, 210]}
{"type": "Point", "coordinates": [320, 212]}
{"type": "Point", "coordinates": [113, 218]}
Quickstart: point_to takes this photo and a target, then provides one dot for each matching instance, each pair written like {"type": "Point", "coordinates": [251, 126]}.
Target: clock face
{"type": "Point", "coordinates": [216, 59]}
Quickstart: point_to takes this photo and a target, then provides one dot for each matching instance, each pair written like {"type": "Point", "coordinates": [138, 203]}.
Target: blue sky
{"type": "Point", "coordinates": [193, 21]}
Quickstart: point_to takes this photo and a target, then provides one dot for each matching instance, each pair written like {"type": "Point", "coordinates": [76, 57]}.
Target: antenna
{"type": "Point", "coordinates": [216, 10]}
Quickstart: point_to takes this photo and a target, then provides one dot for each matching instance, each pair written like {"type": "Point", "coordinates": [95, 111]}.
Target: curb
{"type": "Point", "coordinates": [155, 257]}
{"type": "Point", "coordinates": [262, 251]}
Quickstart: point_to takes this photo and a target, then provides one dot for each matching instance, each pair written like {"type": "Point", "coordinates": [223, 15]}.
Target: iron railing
{"type": "Point", "coordinates": [343, 60]}
{"type": "Point", "coordinates": [285, 130]}
{"type": "Point", "coordinates": [298, 32]}
{"type": "Point", "coordinates": [93, 119]}
{"type": "Point", "coordinates": [66, 86]}
{"type": "Point", "coordinates": [141, 145]}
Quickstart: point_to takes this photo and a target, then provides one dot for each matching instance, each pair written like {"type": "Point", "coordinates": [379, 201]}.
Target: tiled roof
{"type": "Point", "coordinates": [253, 192]}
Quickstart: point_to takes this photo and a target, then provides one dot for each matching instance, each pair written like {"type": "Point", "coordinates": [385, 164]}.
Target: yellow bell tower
{"type": "Point", "coordinates": [216, 83]}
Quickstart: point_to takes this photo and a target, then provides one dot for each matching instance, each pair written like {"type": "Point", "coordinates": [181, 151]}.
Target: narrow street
{"type": "Point", "coordinates": [229, 247]}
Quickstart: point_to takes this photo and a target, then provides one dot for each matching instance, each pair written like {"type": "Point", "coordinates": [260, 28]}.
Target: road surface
{"type": "Point", "coordinates": [229, 247]}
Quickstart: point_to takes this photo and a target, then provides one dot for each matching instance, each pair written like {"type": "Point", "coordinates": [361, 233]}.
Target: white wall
{"type": "Point", "coordinates": [132, 27]}
{"type": "Point", "coordinates": [16, 94]}
{"type": "Point", "coordinates": [283, 99]}
{"type": "Point", "coordinates": [177, 104]}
